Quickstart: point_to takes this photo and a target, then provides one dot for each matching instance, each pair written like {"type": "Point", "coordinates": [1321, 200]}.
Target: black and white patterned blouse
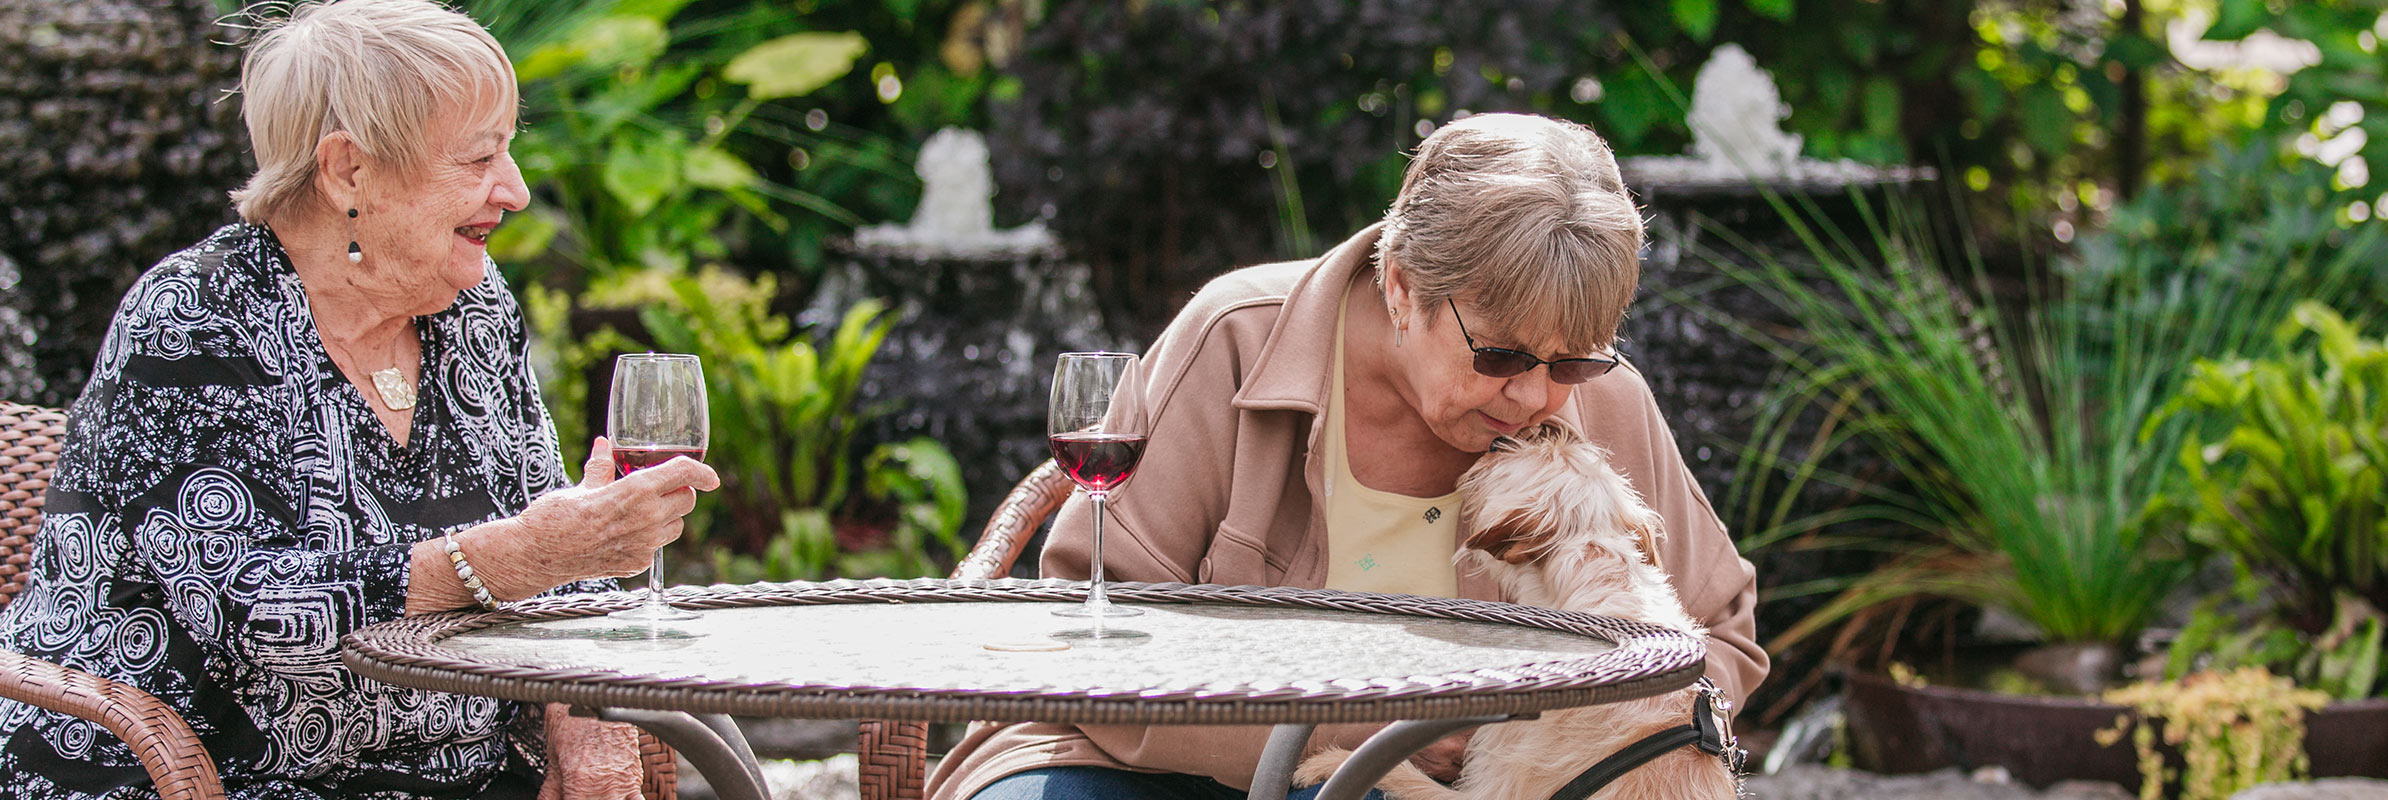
{"type": "Point", "coordinates": [227, 506]}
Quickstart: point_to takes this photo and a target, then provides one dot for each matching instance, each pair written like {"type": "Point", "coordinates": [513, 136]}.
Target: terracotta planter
{"type": "Point", "coordinates": [2042, 740]}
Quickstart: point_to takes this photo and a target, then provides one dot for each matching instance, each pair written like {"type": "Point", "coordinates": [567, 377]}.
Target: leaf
{"type": "Point", "coordinates": [658, 10]}
{"type": "Point", "coordinates": [1778, 10]}
{"type": "Point", "coordinates": [618, 102]}
{"type": "Point", "coordinates": [2047, 125]}
{"type": "Point", "coordinates": [1633, 106]}
{"type": "Point", "coordinates": [2238, 18]}
{"type": "Point", "coordinates": [639, 174]}
{"type": "Point", "coordinates": [548, 60]}
{"type": "Point", "coordinates": [795, 65]}
{"type": "Point", "coordinates": [2136, 51]}
{"type": "Point", "coordinates": [1697, 18]}
{"type": "Point", "coordinates": [603, 43]}
{"type": "Point", "coordinates": [669, 330]}
{"type": "Point", "coordinates": [712, 168]}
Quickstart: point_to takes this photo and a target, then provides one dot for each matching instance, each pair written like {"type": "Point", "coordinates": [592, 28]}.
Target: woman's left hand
{"type": "Point", "coordinates": [590, 759]}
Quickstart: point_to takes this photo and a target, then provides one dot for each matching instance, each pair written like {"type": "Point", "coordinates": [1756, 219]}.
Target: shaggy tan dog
{"type": "Point", "coordinates": [1559, 528]}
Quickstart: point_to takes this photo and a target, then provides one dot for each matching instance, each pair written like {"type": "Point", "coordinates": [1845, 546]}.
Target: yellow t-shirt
{"type": "Point", "coordinates": [1380, 541]}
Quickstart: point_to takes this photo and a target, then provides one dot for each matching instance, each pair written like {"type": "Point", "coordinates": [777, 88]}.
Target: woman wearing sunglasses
{"type": "Point", "coordinates": [1311, 419]}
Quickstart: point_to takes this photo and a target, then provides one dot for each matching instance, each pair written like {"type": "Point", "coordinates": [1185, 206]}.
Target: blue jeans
{"type": "Point", "coordinates": [1104, 783]}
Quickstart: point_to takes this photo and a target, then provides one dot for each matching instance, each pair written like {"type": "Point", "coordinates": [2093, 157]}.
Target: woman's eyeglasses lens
{"type": "Point", "coordinates": [1502, 362]}
{"type": "Point", "coordinates": [1495, 362]}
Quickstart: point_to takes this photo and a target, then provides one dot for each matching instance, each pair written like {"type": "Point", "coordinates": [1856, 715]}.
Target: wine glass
{"type": "Point", "coordinates": [657, 412]}
{"type": "Point", "coordinates": [1097, 432]}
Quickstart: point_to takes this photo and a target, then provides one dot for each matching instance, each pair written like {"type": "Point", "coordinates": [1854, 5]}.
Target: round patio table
{"type": "Point", "coordinates": [945, 650]}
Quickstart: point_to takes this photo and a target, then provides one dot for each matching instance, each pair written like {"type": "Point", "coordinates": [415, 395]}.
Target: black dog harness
{"type": "Point", "coordinates": [1711, 730]}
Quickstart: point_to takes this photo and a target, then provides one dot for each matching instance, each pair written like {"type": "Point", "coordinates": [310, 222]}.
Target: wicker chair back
{"type": "Point", "coordinates": [30, 437]}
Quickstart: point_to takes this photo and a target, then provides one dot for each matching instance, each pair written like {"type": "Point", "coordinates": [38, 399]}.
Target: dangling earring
{"type": "Point", "coordinates": [355, 254]}
{"type": "Point", "coordinates": [1397, 326]}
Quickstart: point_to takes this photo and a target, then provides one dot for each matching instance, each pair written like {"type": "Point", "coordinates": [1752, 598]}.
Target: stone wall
{"type": "Point", "coordinates": [117, 145]}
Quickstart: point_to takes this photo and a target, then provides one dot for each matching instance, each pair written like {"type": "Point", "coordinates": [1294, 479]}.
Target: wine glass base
{"type": "Point", "coordinates": [654, 613]}
{"type": "Point", "coordinates": [1103, 637]}
{"type": "Point", "coordinates": [1091, 612]}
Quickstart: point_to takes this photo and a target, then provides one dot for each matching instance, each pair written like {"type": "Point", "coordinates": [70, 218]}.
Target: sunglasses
{"type": "Point", "coordinates": [1502, 362]}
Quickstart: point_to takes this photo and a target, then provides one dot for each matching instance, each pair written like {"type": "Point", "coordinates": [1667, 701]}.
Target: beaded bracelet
{"type": "Point", "coordinates": [464, 572]}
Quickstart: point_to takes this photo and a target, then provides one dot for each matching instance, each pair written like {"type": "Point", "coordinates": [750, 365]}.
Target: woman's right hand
{"type": "Point", "coordinates": [603, 528]}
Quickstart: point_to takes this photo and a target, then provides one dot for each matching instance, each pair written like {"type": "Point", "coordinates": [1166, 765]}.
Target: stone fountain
{"type": "Point", "coordinates": [1739, 146]}
{"type": "Point", "coordinates": [980, 315]}
{"type": "Point", "coordinates": [956, 217]}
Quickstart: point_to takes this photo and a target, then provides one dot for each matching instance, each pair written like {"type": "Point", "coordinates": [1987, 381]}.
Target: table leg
{"type": "Point", "coordinates": [729, 768]}
{"type": "Point", "coordinates": [1275, 775]}
{"type": "Point", "coordinates": [727, 729]}
{"type": "Point", "coordinates": [1387, 749]}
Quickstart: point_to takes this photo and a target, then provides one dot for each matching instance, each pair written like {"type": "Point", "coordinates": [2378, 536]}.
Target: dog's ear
{"type": "Point", "coordinates": [1515, 538]}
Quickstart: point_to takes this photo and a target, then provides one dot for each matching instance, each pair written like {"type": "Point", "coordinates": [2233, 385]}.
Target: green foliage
{"type": "Point", "coordinates": [2343, 660]}
{"type": "Point", "coordinates": [2028, 433]}
{"type": "Point", "coordinates": [2027, 467]}
{"type": "Point", "coordinates": [633, 144]}
{"type": "Point", "coordinates": [2234, 730]}
{"type": "Point", "coordinates": [782, 408]}
{"type": "Point", "coordinates": [2294, 487]}
{"type": "Point", "coordinates": [2344, 93]}
{"type": "Point", "coordinates": [924, 482]}
{"type": "Point", "coordinates": [785, 413]}
{"type": "Point", "coordinates": [2289, 484]}
{"type": "Point", "coordinates": [563, 360]}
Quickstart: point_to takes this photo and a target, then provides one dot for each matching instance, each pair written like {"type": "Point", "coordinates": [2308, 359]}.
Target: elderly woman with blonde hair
{"type": "Point", "coordinates": [320, 418]}
{"type": "Point", "coordinates": [1310, 421]}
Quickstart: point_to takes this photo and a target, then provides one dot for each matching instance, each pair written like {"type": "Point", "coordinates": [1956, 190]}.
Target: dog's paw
{"type": "Point", "coordinates": [1319, 766]}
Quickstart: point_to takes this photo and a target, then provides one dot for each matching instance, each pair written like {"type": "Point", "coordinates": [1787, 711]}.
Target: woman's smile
{"type": "Point", "coordinates": [476, 234]}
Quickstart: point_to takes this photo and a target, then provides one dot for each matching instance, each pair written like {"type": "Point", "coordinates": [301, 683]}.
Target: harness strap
{"type": "Point", "coordinates": [1707, 731]}
{"type": "Point", "coordinates": [1625, 760]}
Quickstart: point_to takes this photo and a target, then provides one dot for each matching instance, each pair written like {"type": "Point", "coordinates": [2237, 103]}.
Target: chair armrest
{"type": "Point", "coordinates": [1031, 502]}
{"type": "Point", "coordinates": [177, 763]}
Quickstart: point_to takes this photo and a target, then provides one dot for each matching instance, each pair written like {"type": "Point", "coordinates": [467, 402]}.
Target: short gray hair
{"type": "Point", "coordinates": [1527, 219]}
{"type": "Point", "coordinates": [378, 69]}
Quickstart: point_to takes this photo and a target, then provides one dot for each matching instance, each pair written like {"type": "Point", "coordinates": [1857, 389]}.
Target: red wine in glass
{"type": "Point", "coordinates": [632, 459]}
{"type": "Point", "coordinates": [1098, 461]}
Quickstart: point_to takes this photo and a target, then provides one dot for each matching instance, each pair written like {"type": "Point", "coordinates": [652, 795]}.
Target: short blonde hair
{"type": "Point", "coordinates": [379, 69]}
{"type": "Point", "coordinates": [1524, 217]}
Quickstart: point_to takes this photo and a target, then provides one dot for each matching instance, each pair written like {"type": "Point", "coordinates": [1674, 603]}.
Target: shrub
{"type": "Point", "coordinates": [2288, 476]}
{"type": "Point", "coordinates": [2234, 730]}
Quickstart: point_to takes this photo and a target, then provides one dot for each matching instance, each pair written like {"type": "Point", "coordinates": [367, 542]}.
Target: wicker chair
{"type": "Point", "coordinates": [178, 765]}
{"type": "Point", "coordinates": [895, 755]}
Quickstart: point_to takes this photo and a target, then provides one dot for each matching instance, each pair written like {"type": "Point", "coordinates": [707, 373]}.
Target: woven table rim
{"type": "Point", "coordinates": [1647, 660]}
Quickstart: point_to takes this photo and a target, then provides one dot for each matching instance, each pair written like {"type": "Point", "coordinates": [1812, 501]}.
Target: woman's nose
{"type": "Point", "coordinates": [1531, 388]}
{"type": "Point", "coordinates": [511, 192]}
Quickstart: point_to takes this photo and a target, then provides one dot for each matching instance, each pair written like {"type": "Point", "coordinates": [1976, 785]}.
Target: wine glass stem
{"type": "Point", "coordinates": [1096, 600]}
{"type": "Point", "coordinates": [655, 583]}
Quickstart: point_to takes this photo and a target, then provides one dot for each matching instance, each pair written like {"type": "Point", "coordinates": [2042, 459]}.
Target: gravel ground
{"type": "Point", "coordinates": [1807, 782]}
